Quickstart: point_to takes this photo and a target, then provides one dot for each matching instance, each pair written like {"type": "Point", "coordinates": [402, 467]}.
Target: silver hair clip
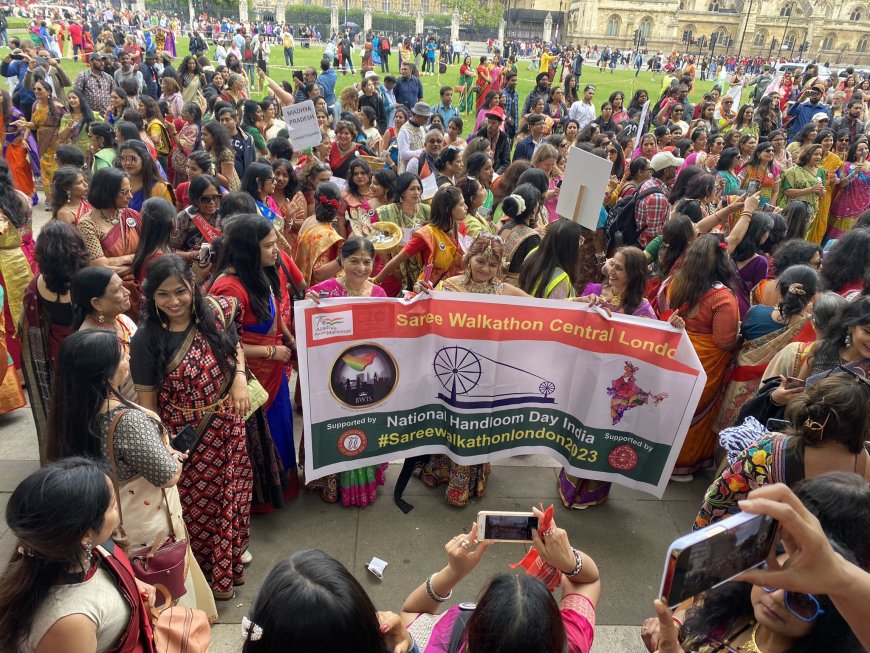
{"type": "Point", "coordinates": [251, 631]}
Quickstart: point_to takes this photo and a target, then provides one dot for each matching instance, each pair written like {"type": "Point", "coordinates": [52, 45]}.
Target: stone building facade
{"type": "Point", "coordinates": [832, 31]}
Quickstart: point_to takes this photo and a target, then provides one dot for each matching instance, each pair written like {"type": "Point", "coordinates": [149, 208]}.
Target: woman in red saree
{"type": "Point", "coordinates": [483, 83]}
{"type": "Point", "coordinates": [111, 229]}
{"type": "Point", "coordinates": [253, 270]}
{"type": "Point", "coordinates": [195, 377]}
{"type": "Point", "coordinates": [700, 292]}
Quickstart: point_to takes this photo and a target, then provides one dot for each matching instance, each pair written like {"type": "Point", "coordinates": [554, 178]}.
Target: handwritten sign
{"type": "Point", "coordinates": [302, 125]}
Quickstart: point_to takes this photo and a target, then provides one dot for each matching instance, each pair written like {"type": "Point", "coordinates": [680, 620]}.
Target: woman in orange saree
{"type": "Point", "coordinates": [19, 149]}
{"type": "Point", "coordinates": [319, 244]}
{"type": "Point", "coordinates": [700, 292]}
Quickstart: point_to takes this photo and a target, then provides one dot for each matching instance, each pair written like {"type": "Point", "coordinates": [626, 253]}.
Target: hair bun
{"type": "Point", "coordinates": [797, 289]}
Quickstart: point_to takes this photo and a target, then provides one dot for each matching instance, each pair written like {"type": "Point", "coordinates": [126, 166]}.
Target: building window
{"type": "Point", "coordinates": [760, 38]}
{"type": "Point", "coordinates": [406, 6]}
{"type": "Point", "coordinates": [786, 10]}
{"type": "Point", "coordinates": [613, 26]}
{"type": "Point", "coordinates": [682, 5]}
{"type": "Point", "coordinates": [862, 44]}
{"type": "Point", "coordinates": [645, 28]}
{"type": "Point", "coordinates": [714, 6]}
{"type": "Point", "coordinates": [444, 8]}
{"type": "Point", "coordinates": [828, 42]}
{"type": "Point", "coordinates": [788, 42]}
{"type": "Point", "coordinates": [385, 6]}
{"type": "Point", "coordinates": [424, 5]}
{"type": "Point", "coordinates": [856, 14]}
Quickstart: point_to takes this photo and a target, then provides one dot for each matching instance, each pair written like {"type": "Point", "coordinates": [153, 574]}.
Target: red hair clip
{"type": "Point", "coordinates": [723, 244]}
{"type": "Point", "coordinates": [333, 203]}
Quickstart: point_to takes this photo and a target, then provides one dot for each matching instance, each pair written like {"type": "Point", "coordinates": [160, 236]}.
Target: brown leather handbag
{"type": "Point", "coordinates": [162, 565]}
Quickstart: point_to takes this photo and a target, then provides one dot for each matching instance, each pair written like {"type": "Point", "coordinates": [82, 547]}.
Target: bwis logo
{"type": "Point", "coordinates": [332, 325]}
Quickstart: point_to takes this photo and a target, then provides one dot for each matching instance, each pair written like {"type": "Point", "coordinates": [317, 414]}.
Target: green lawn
{"type": "Point", "coordinates": [622, 80]}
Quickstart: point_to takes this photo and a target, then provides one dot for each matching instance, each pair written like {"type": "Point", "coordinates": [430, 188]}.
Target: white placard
{"type": "Point", "coordinates": [583, 185]}
{"type": "Point", "coordinates": [641, 125]}
{"type": "Point", "coordinates": [302, 124]}
{"type": "Point", "coordinates": [430, 187]}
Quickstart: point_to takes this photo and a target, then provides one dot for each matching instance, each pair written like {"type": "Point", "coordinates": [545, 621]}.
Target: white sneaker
{"type": "Point", "coordinates": [247, 558]}
{"type": "Point", "coordinates": [682, 478]}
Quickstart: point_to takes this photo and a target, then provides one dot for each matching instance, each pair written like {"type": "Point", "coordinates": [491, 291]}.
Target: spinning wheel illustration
{"type": "Point", "coordinates": [459, 371]}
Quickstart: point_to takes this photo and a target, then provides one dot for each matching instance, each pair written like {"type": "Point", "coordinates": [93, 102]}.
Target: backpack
{"type": "Point", "coordinates": [621, 229]}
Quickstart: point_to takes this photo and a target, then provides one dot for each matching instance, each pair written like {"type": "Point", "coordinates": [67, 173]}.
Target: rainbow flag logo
{"type": "Point", "coordinates": [331, 321]}
{"type": "Point", "coordinates": [358, 363]}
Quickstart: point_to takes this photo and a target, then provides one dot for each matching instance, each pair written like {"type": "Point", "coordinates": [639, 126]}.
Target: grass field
{"type": "Point", "coordinates": [605, 83]}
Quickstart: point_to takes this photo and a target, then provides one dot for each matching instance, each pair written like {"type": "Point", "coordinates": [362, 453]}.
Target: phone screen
{"type": "Point", "coordinates": [516, 528]}
{"type": "Point", "coordinates": [186, 440]}
{"type": "Point", "coordinates": [752, 187]}
{"type": "Point", "coordinates": [717, 558]}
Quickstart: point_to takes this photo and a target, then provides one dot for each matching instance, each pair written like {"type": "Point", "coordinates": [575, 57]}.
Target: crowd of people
{"type": "Point", "coordinates": [155, 308]}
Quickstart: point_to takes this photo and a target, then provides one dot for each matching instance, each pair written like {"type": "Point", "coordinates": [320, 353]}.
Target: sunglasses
{"type": "Point", "coordinates": [210, 199]}
{"type": "Point", "coordinates": [805, 607]}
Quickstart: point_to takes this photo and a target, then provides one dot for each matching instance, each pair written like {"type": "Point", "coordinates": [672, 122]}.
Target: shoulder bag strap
{"type": "Point", "coordinates": [113, 465]}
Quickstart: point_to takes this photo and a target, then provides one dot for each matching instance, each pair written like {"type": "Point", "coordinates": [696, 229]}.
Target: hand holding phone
{"type": "Point", "coordinates": [186, 440]}
{"type": "Point", "coordinates": [715, 554]}
{"type": "Point", "coordinates": [498, 526]}
{"type": "Point", "coordinates": [752, 187]}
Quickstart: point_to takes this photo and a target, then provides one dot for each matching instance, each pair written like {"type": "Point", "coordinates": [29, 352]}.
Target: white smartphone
{"type": "Point", "coordinates": [498, 526]}
{"type": "Point", "coordinates": [715, 554]}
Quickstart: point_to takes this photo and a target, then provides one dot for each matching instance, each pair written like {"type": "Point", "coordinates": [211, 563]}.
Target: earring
{"type": "Point", "coordinates": [193, 313]}
{"type": "Point", "coordinates": [848, 340]}
{"type": "Point", "coordinates": [160, 317]}
{"type": "Point", "coordinates": [89, 553]}
{"type": "Point", "coordinates": [102, 318]}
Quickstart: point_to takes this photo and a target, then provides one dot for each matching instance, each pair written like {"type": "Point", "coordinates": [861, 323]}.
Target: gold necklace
{"type": "Point", "coordinates": [352, 293]}
{"type": "Point", "coordinates": [112, 221]}
{"type": "Point", "coordinates": [751, 646]}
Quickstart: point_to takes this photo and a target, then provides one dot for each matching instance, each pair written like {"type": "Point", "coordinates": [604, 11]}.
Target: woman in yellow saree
{"type": "Point", "coordinates": [831, 168]}
{"type": "Point", "coordinates": [700, 291]}
{"type": "Point", "coordinates": [436, 243]}
{"type": "Point", "coordinates": [320, 244]}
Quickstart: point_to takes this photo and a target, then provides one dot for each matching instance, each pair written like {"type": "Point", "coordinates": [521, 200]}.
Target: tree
{"type": "Point", "coordinates": [476, 12]}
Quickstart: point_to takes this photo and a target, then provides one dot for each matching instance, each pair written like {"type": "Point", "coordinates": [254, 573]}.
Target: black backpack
{"type": "Point", "coordinates": [621, 229]}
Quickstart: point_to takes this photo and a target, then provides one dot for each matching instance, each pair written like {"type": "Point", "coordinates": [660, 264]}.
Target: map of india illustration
{"type": "Point", "coordinates": [625, 394]}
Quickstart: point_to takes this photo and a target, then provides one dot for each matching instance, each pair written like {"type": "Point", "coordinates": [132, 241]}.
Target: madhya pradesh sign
{"type": "Point", "coordinates": [302, 125]}
{"type": "Point", "coordinates": [481, 377]}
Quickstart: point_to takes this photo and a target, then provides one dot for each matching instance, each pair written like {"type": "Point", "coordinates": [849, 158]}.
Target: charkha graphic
{"type": "Point", "coordinates": [485, 377]}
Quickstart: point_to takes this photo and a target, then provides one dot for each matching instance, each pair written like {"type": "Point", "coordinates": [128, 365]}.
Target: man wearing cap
{"type": "Point", "coordinates": [409, 90]}
{"type": "Point", "coordinates": [652, 207]}
{"type": "Point", "coordinates": [542, 89]}
{"type": "Point", "coordinates": [412, 134]}
{"type": "Point", "coordinates": [583, 111]}
{"type": "Point", "coordinates": [511, 105]}
{"type": "Point", "coordinates": [151, 75]}
{"type": "Point", "coordinates": [821, 119]}
{"type": "Point", "coordinates": [499, 143]}
{"type": "Point", "coordinates": [526, 148]}
{"type": "Point", "coordinates": [804, 112]}
{"type": "Point", "coordinates": [96, 85]}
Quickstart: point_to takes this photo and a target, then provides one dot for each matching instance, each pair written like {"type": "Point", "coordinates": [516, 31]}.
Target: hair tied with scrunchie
{"type": "Point", "coordinates": [323, 199]}
{"type": "Point", "coordinates": [797, 289]}
{"type": "Point", "coordinates": [521, 203]}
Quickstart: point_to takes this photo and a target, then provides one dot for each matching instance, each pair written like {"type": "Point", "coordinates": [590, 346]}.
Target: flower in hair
{"type": "Point", "coordinates": [723, 244]}
{"type": "Point", "coordinates": [521, 203]}
{"type": "Point", "coordinates": [797, 289]}
{"type": "Point", "coordinates": [251, 631]}
{"type": "Point", "coordinates": [323, 199]}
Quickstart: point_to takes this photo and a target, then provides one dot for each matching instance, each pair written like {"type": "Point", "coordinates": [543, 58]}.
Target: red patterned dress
{"type": "Point", "coordinates": [217, 481]}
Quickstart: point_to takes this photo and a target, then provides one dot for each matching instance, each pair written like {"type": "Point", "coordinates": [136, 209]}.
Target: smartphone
{"type": "Point", "coordinates": [774, 425]}
{"type": "Point", "coordinates": [186, 440]}
{"type": "Point", "coordinates": [506, 526]}
{"type": "Point", "coordinates": [792, 382]}
{"type": "Point", "coordinates": [715, 554]}
{"type": "Point", "coordinates": [752, 187]}
{"type": "Point", "coordinates": [298, 74]}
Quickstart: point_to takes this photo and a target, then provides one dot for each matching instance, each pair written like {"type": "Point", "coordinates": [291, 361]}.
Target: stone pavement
{"type": "Point", "coordinates": [627, 536]}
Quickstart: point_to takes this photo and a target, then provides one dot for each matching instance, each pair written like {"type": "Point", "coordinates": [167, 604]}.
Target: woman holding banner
{"type": "Point", "coordinates": [701, 292]}
{"type": "Point", "coordinates": [481, 275]}
{"type": "Point", "coordinates": [357, 487]}
{"type": "Point", "coordinates": [622, 292]}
